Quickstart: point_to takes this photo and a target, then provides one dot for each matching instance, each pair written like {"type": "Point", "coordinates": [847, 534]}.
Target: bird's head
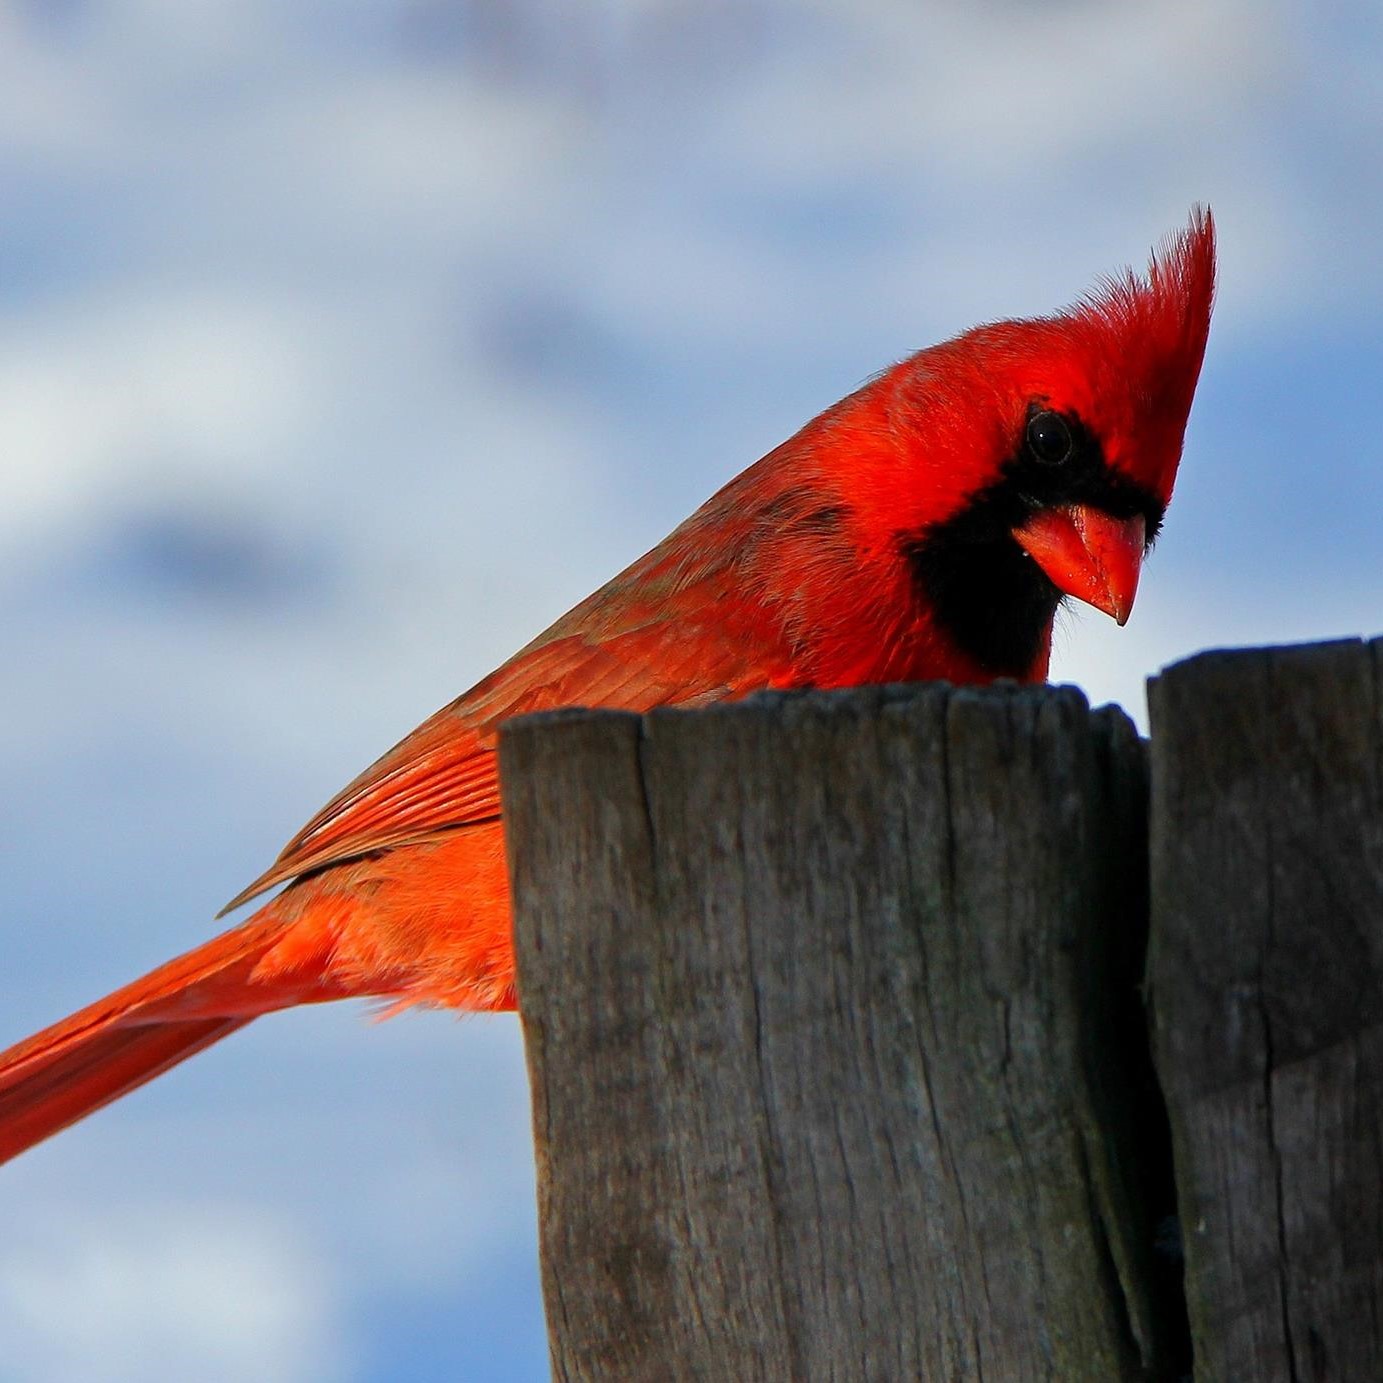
{"type": "Point", "coordinates": [1034, 459]}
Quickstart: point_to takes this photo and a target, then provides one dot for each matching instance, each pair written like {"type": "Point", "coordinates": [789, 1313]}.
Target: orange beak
{"type": "Point", "coordinates": [1087, 554]}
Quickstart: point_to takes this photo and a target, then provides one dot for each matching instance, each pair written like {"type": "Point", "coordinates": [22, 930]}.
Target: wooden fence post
{"type": "Point", "coordinates": [1266, 976]}
{"type": "Point", "coordinates": [838, 1067]}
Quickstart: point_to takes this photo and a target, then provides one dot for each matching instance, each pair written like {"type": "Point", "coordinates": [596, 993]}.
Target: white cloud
{"type": "Point", "coordinates": [146, 390]}
{"type": "Point", "coordinates": [154, 1290]}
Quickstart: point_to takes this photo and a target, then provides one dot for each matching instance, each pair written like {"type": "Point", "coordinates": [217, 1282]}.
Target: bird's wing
{"type": "Point", "coordinates": [446, 774]}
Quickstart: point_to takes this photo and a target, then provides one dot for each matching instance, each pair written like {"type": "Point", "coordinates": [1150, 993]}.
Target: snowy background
{"type": "Point", "coordinates": [345, 343]}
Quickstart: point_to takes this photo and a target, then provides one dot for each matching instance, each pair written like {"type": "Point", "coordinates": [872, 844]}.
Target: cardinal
{"type": "Point", "coordinates": [928, 526]}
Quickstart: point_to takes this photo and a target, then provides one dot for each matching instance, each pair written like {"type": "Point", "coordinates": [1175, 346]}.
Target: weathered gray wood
{"type": "Point", "coordinates": [1266, 974]}
{"type": "Point", "coordinates": [827, 1002]}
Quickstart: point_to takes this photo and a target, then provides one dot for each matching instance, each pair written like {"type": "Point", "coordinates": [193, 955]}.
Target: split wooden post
{"type": "Point", "coordinates": [837, 1063]}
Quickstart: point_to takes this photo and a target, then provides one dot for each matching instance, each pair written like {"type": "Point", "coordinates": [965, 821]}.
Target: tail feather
{"type": "Point", "coordinates": [67, 1071]}
{"type": "Point", "coordinates": [99, 1068]}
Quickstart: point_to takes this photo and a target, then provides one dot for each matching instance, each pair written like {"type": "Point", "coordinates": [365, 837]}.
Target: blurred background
{"type": "Point", "coordinates": [344, 344]}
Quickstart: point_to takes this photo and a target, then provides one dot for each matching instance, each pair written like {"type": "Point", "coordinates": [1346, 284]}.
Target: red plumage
{"type": "Point", "coordinates": [922, 528]}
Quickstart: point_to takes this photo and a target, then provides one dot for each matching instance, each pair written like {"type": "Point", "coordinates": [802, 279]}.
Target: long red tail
{"type": "Point", "coordinates": [59, 1075]}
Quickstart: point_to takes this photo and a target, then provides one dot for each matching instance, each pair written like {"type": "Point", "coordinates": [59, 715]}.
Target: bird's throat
{"type": "Point", "coordinates": [987, 597]}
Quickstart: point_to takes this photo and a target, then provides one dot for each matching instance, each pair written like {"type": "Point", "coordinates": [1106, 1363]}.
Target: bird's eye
{"type": "Point", "coordinates": [1049, 437]}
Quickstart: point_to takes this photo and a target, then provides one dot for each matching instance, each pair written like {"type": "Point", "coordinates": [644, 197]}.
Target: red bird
{"type": "Point", "coordinates": [927, 526]}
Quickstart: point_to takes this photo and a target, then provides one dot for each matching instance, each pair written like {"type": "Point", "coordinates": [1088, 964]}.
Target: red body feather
{"type": "Point", "coordinates": [791, 576]}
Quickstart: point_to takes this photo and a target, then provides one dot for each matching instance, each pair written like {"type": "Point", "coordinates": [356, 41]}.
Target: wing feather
{"type": "Point", "coordinates": [445, 775]}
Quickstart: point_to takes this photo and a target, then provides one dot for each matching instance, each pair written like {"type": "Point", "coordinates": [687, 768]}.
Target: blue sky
{"type": "Point", "coordinates": [343, 346]}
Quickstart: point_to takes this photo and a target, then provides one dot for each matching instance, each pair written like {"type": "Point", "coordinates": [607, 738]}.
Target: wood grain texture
{"type": "Point", "coordinates": [831, 1021]}
{"type": "Point", "coordinates": [1266, 977]}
